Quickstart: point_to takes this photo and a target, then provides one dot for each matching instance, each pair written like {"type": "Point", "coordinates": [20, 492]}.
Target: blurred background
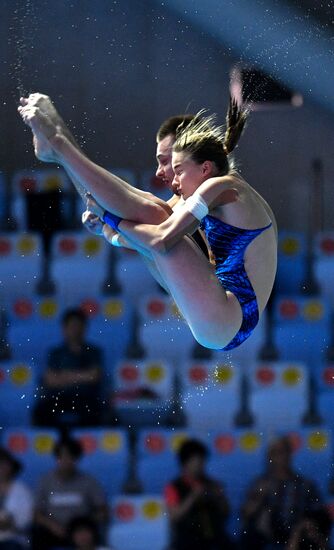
{"type": "Point", "coordinates": [161, 443]}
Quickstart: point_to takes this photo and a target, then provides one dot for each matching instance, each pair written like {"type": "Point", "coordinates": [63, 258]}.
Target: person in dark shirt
{"type": "Point", "coordinates": [277, 501]}
{"type": "Point", "coordinates": [196, 504]}
{"type": "Point", "coordinates": [63, 494]}
{"type": "Point", "coordinates": [71, 384]}
{"type": "Point", "coordinates": [312, 532]}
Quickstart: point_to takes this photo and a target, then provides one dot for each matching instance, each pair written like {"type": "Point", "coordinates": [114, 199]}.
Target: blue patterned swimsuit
{"type": "Point", "coordinates": [228, 244]}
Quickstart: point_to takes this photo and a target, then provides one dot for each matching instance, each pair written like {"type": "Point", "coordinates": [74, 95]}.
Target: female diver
{"type": "Point", "coordinates": [220, 303]}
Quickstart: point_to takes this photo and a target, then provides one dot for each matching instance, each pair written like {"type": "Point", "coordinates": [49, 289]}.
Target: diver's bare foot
{"type": "Point", "coordinates": [43, 129]}
{"type": "Point", "coordinates": [44, 103]}
{"type": "Point", "coordinates": [43, 150]}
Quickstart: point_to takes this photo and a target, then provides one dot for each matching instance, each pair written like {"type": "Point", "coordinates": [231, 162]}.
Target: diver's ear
{"type": "Point", "coordinates": [207, 168]}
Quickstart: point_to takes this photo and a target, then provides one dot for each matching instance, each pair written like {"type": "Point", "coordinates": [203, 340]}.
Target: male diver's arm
{"type": "Point", "coordinates": [94, 225]}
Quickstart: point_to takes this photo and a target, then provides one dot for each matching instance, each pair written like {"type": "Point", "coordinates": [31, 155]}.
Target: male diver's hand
{"type": "Point", "coordinates": [92, 223]}
{"type": "Point", "coordinates": [93, 206]}
{"type": "Point", "coordinates": [95, 226]}
{"type": "Point", "coordinates": [95, 212]}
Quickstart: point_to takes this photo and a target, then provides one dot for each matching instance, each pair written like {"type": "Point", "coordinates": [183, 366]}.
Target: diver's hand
{"type": "Point", "coordinates": [93, 206]}
{"type": "Point", "coordinates": [92, 223]}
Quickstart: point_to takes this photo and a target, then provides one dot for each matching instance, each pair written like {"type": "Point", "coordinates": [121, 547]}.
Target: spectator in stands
{"type": "Point", "coordinates": [16, 505]}
{"type": "Point", "coordinates": [72, 381]}
{"type": "Point", "coordinates": [196, 504]}
{"type": "Point", "coordinates": [64, 494]}
{"type": "Point", "coordinates": [312, 532]}
{"type": "Point", "coordinates": [83, 533]}
{"type": "Point", "coordinates": [277, 501]}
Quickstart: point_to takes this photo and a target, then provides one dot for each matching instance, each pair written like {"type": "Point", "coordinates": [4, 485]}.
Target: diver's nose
{"type": "Point", "coordinates": [159, 173]}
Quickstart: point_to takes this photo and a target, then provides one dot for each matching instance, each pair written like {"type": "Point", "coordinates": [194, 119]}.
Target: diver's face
{"type": "Point", "coordinates": [188, 174]}
{"type": "Point", "coordinates": [164, 159]}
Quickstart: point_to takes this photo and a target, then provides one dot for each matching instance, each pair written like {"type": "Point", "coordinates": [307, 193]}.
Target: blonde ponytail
{"type": "Point", "coordinates": [235, 122]}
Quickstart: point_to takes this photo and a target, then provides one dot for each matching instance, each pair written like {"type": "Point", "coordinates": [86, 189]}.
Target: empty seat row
{"type": "Point", "coordinates": [34, 326]}
{"type": "Point", "coordinates": [201, 393]}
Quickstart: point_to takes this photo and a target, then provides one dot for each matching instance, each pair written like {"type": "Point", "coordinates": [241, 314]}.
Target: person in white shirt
{"type": "Point", "coordinates": [16, 504]}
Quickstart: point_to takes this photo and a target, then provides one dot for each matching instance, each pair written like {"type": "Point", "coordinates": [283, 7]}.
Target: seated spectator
{"type": "Point", "coordinates": [64, 494]}
{"type": "Point", "coordinates": [312, 532]}
{"type": "Point", "coordinates": [16, 505]}
{"type": "Point", "coordinates": [277, 501]}
{"type": "Point", "coordinates": [73, 379]}
{"type": "Point", "coordinates": [196, 504]}
{"type": "Point", "coordinates": [83, 534]}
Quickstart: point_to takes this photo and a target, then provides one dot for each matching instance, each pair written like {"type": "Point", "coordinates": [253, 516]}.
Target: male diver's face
{"type": "Point", "coordinates": [188, 174]}
{"type": "Point", "coordinates": [164, 159]}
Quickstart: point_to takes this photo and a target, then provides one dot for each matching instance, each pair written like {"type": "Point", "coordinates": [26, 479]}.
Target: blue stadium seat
{"type": "Point", "coordinates": [106, 456]}
{"type": "Point", "coordinates": [156, 457]}
{"type": "Point", "coordinates": [24, 181]}
{"type": "Point", "coordinates": [302, 329]}
{"type": "Point", "coordinates": [291, 269]}
{"type": "Point", "coordinates": [278, 394]}
{"type": "Point", "coordinates": [325, 394]}
{"type": "Point", "coordinates": [21, 259]}
{"type": "Point", "coordinates": [133, 275]}
{"type": "Point", "coordinates": [210, 390]}
{"type": "Point", "coordinates": [33, 448]}
{"type": "Point", "coordinates": [163, 332]}
{"type": "Point", "coordinates": [18, 388]}
{"type": "Point", "coordinates": [3, 197]}
{"type": "Point", "coordinates": [145, 386]}
{"type": "Point", "coordinates": [313, 455]}
{"type": "Point", "coordinates": [237, 457]}
{"type": "Point", "coordinates": [33, 328]}
{"type": "Point", "coordinates": [36, 181]}
{"type": "Point", "coordinates": [139, 523]}
{"type": "Point", "coordinates": [78, 265]}
{"type": "Point", "coordinates": [110, 320]}
{"type": "Point", "coordinates": [324, 264]}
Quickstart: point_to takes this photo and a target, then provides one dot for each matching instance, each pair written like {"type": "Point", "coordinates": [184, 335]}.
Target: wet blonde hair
{"type": "Point", "coordinates": [205, 140]}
